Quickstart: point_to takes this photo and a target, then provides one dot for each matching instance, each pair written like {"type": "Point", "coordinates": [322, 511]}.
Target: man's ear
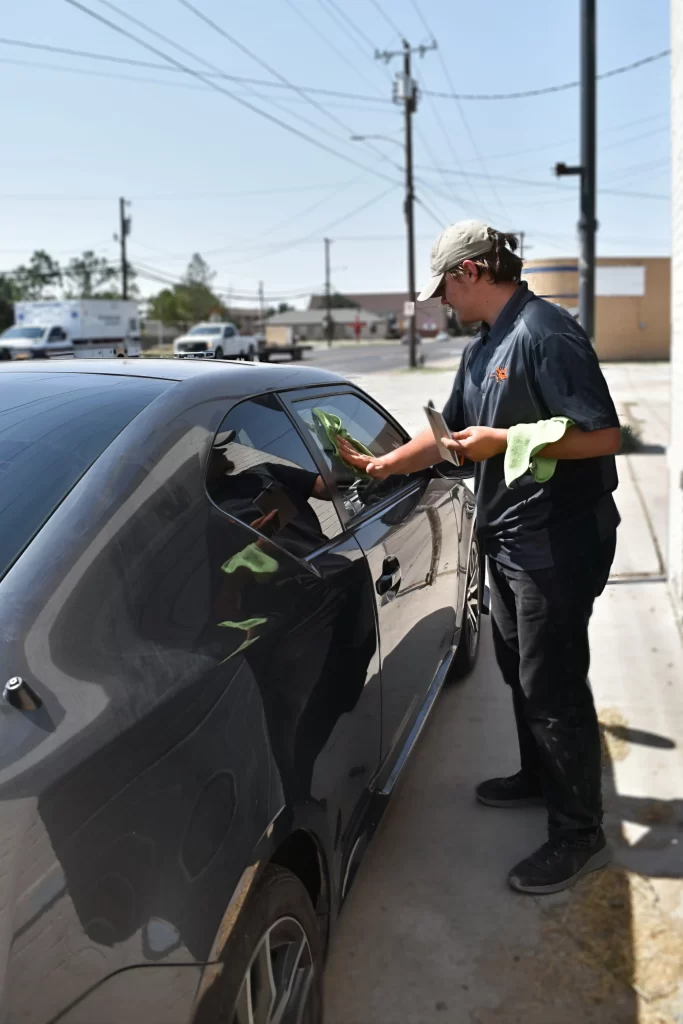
{"type": "Point", "coordinates": [470, 269]}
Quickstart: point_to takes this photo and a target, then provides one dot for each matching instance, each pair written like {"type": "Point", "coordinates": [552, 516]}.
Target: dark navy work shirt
{"type": "Point", "coordinates": [534, 363]}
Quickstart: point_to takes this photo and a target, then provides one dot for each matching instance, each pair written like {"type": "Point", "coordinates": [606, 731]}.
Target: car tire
{"type": "Point", "coordinates": [272, 964]}
{"type": "Point", "coordinates": [468, 647]}
{"type": "Point", "coordinates": [218, 354]}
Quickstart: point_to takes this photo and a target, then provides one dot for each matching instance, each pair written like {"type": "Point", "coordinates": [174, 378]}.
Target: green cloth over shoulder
{"type": "Point", "coordinates": [524, 440]}
{"type": "Point", "coordinates": [333, 428]}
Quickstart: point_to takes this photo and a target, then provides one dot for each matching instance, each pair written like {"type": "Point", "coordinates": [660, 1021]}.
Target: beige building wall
{"type": "Point", "coordinates": [629, 327]}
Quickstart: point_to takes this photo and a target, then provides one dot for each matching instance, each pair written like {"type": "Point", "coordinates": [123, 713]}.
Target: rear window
{"type": "Point", "coordinates": [53, 426]}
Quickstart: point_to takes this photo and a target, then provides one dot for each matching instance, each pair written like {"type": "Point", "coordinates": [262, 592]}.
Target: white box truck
{"type": "Point", "coordinates": [86, 328]}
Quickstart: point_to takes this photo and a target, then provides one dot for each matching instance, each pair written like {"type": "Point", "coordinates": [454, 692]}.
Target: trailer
{"type": "Point", "coordinates": [68, 328]}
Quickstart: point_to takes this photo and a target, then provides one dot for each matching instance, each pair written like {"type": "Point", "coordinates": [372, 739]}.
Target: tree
{"type": "Point", "coordinates": [32, 281]}
{"type": "Point", "coordinates": [87, 275]}
{"type": "Point", "coordinates": [199, 272]}
{"type": "Point", "coordinates": [190, 300]}
{"type": "Point", "coordinates": [284, 307]}
{"type": "Point", "coordinates": [8, 296]}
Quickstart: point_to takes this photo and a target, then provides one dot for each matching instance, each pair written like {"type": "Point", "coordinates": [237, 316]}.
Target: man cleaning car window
{"type": "Point", "coordinates": [531, 409]}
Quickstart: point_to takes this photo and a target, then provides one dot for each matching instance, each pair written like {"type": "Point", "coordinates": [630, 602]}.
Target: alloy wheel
{"type": "Point", "coordinates": [277, 983]}
{"type": "Point", "coordinates": [473, 599]}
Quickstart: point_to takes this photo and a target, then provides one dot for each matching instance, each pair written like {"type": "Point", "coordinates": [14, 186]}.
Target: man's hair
{"type": "Point", "coordinates": [501, 263]}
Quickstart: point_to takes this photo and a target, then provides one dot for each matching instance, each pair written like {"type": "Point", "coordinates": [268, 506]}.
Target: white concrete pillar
{"type": "Point", "coordinates": [676, 446]}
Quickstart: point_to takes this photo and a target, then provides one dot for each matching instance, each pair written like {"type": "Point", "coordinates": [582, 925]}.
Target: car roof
{"type": "Point", "coordinates": [266, 376]}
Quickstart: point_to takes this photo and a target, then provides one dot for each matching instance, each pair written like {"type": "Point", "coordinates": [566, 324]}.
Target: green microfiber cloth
{"type": "Point", "coordinates": [251, 558]}
{"type": "Point", "coordinates": [524, 440]}
{"type": "Point", "coordinates": [245, 625]}
{"type": "Point", "coordinates": [333, 428]}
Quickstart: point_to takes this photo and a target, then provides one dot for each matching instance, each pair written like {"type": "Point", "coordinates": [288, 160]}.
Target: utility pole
{"type": "Point", "coordinates": [261, 306]}
{"type": "Point", "coordinates": [405, 92]}
{"type": "Point", "coordinates": [329, 322]}
{"type": "Point", "coordinates": [586, 171]}
{"type": "Point", "coordinates": [124, 231]}
{"type": "Point", "coordinates": [521, 244]}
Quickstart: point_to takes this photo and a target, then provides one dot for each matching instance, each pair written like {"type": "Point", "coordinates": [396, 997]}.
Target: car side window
{"type": "Point", "coordinates": [368, 428]}
{"type": "Point", "coordinates": [56, 334]}
{"type": "Point", "coordinates": [229, 332]}
{"type": "Point", "coordinates": [260, 472]}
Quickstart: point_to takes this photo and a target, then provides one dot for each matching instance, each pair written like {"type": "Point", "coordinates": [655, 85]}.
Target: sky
{"type": "Point", "coordinates": [206, 173]}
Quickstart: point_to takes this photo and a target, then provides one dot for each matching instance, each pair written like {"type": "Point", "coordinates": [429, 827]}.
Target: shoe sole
{"type": "Point", "coordinates": [524, 801]}
{"type": "Point", "coordinates": [599, 860]}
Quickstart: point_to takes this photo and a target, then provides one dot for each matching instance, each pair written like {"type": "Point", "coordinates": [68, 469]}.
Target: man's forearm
{"type": "Point", "coordinates": [420, 453]}
{"type": "Point", "coordinates": [584, 444]}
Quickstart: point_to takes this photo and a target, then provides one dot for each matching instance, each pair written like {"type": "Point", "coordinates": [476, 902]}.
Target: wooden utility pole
{"type": "Point", "coordinates": [405, 92]}
{"type": "Point", "coordinates": [329, 322]}
{"type": "Point", "coordinates": [124, 231]}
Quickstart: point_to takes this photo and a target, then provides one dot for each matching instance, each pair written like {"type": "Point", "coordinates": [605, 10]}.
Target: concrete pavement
{"type": "Point", "coordinates": [431, 932]}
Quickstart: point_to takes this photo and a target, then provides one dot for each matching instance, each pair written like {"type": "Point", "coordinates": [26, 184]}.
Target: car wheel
{"type": "Point", "coordinates": [468, 648]}
{"type": "Point", "coordinates": [218, 354]}
{"type": "Point", "coordinates": [273, 962]}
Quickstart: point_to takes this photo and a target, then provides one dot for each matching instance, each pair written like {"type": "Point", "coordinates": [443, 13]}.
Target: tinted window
{"type": "Point", "coordinates": [52, 428]}
{"type": "Point", "coordinates": [261, 473]}
{"type": "Point", "coordinates": [366, 426]}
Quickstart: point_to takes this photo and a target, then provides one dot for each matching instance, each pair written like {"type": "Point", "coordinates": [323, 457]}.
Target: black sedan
{"type": "Point", "coordinates": [219, 646]}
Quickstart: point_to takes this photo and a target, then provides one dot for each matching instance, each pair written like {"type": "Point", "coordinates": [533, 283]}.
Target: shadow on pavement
{"type": "Point", "coordinates": [431, 932]}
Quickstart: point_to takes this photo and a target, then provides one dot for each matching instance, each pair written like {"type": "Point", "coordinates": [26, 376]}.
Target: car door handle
{"type": "Point", "coordinates": [390, 580]}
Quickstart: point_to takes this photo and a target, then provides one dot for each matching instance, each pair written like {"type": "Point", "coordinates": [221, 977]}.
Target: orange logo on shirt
{"type": "Point", "coordinates": [500, 373]}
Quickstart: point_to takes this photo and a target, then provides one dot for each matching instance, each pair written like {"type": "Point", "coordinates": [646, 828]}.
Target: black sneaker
{"type": "Point", "coordinates": [514, 791]}
{"type": "Point", "coordinates": [558, 865]}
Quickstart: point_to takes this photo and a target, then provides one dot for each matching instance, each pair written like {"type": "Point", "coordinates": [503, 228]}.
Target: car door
{"type": "Point", "coordinates": [57, 341]}
{"type": "Point", "coordinates": [407, 528]}
{"type": "Point", "coordinates": [230, 341]}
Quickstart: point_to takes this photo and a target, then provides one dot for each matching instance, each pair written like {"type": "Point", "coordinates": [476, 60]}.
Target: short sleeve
{"type": "Point", "coordinates": [570, 382]}
{"type": "Point", "coordinates": [454, 409]}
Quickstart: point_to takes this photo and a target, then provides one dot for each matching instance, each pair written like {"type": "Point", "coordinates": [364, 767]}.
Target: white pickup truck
{"type": "Point", "coordinates": [89, 328]}
{"type": "Point", "coordinates": [215, 341]}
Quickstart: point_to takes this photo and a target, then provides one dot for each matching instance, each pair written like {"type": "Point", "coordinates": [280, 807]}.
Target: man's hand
{"type": "Point", "coordinates": [376, 468]}
{"type": "Point", "coordinates": [477, 443]}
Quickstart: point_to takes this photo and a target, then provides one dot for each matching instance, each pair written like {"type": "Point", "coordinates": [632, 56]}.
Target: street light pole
{"type": "Point", "coordinates": [409, 105]}
{"type": "Point", "coordinates": [587, 222]}
{"type": "Point", "coordinates": [586, 171]}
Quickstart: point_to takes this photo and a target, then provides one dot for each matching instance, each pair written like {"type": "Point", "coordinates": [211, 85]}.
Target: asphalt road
{"type": "Point", "coordinates": [371, 358]}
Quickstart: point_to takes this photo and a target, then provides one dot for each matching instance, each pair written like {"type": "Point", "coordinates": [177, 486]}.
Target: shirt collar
{"type": "Point", "coordinates": [508, 314]}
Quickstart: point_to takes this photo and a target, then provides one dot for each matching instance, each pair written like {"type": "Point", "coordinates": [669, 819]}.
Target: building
{"type": "Point", "coordinates": [675, 453]}
{"type": "Point", "coordinates": [632, 301]}
{"type": "Point", "coordinates": [430, 316]}
{"type": "Point", "coordinates": [309, 324]}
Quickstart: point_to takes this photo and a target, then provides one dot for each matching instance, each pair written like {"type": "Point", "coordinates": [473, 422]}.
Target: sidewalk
{"type": "Point", "coordinates": [431, 933]}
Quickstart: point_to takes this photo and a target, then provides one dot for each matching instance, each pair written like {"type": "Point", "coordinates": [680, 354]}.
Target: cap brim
{"type": "Point", "coordinates": [431, 289]}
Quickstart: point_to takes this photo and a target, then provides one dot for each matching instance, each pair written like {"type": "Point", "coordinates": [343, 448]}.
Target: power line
{"type": "Point", "coordinates": [382, 13]}
{"type": "Point", "coordinates": [181, 195]}
{"type": "Point", "coordinates": [152, 66]}
{"type": "Point", "coordinates": [273, 71]}
{"type": "Point", "coordinates": [561, 188]}
{"type": "Point", "coordinates": [90, 73]}
{"type": "Point", "coordinates": [461, 112]}
{"type": "Point", "coordinates": [321, 35]}
{"type": "Point", "coordinates": [237, 99]}
{"type": "Point", "coordinates": [551, 88]}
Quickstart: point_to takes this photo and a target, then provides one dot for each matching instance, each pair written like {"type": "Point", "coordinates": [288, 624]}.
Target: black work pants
{"type": "Point", "coordinates": [540, 631]}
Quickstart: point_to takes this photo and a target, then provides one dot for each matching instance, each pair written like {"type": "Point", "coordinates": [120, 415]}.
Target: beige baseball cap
{"type": "Point", "coordinates": [461, 241]}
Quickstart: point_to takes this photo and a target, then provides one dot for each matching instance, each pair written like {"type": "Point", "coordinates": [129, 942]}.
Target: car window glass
{"type": "Point", "coordinates": [366, 426]}
{"type": "Point", "coordinates": [57, 334]}
{"type": "Point", "coordinates": [229, 332]}
{"type": "Point", "coordinates": [260, 472]}
{"type": "Point", "coordinates": [53, 426]}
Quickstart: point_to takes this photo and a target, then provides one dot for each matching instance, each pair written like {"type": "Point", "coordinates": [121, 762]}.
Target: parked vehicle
{"type": "Point", "coordinates": [281, 341]}
{"type": "Point", "coordinates": [87, 328]}
{"type": "Point", "coordinates": [443, 336]}
{"type": "Point", "coordinates": [219, 648]}
{"type": "Point", "coordinates": [215, 341]}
